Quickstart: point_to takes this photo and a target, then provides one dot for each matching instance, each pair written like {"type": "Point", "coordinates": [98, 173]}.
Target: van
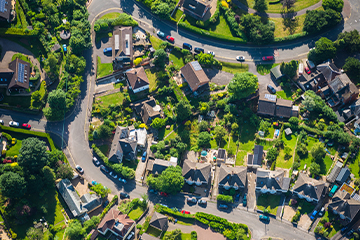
{"type": "Point", "coordinates": [187, 46]}
{"type": "Point", "coordinates": [199, 50]}
{"type": "Point", "coordinates": [310, 64]}
{"type": "Point", "coordinates": [301, 69]}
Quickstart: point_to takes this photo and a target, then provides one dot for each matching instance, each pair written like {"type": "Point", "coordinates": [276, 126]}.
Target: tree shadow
{"type": "Point", "coordinates": [290, 21]}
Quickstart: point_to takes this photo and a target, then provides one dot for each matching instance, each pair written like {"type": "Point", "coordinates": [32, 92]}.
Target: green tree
{"type": "Point", "coordinates": [352, 68]}
{"type": "Point", "coordinates": [272, 154]}
{"type": "Point", "coordinates": [33, 155]}
{"type": "Point", "coordinates": [74, 231]}
{"type": "Point", "coordinates": [48, 177]}
{"type": "Point", "coordinates": [203, 139]}
{"type": "Point", "coordinates": [163, 10]}
{"type": "Point", "coordinates": [158, 123]}
{"type": "Point", "coordinates": [169, 181]}
{"type": "Point", "coordinates": [260, 5]}
{"type": "Point", "coordinates": [64, 171]}
{"type": "Point", "coordinates": [12, 185]}
{"type": "Point", "coordinates": [349, 40]}
{"type": "Point", "coordinates": [314, 168]}
{"type": "Point", "coordinates": [234, 127]}
{"type": "Point", "coordinates": [206, 59]}
{"type": "Point", "coordinates": [76, 64]}
{"type": "Point", "coordinates": [182, 110]}
{"type": "Point", "coordinates": [203, 126]}
{"type": "Point", "coordinates": [336, 5]}
{"type": "Point", "coordinates": [204, 107]}
{"type": "Point", "coordinates": [318, 152]}
{"type": "Point", "coordinates": [101, 190]}
{"type": "Point", "coordinates": [51, 64]}
{"type": "Point", "coordinates": [160, 57]}
{"type": "Point", "coordinates": [36, 97]}
{"type": "Point", "coordinates": [57, 105]}
{"type": "Point", "coordinates": [181, 147]}
{"type": "Point", "coordinates": [316, 21]}
{"type": "Point", "coordinates": [242, 85]}
{"type": "Point", "coordinates": [289, 69]}
{"type": "Point", "coordinates": [309, 103]}
{"type": "Point", "coordinates": [103, 131]}
{"type": "Point", "coordinates": [324, 49]}
{"type": "Point", "coordinates": [294, 121]}
{"type": "Point", "coordinates": [34, 234]}
{"type": "Point", "coordinates": [220, 133]}
{"type": "Point", "coordinates": [173, 235]}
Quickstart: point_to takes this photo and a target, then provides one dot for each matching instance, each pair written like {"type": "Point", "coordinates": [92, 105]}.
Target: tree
{"type": "Point", "coordinates": [76, 64]}
{"type": "Point", "coordinates": [294, 121]}
{"type": "Point", "coordinates": [220, 133]}
{"type": "Point", "coordinates": [204, 107]}
{"type": "Point", "coordinates": [36, 97]}
{"type": "Point", "coordinates": [242, 85]}
{"type": "Point", "coordinates": [272, 154]}
{"type": "Point", "coordinates": [288, 4]}
{"type": "Point", "coordinates": [260, 5]}
{"type": "Point", "coordinates": [163, 10]}
{"type": "Point", "coordinates": [137, 61]}
{"type": "Point", "coordinates": [33, 155]}
{"type": "Point", "coordinates": [318, 152]}
{"type": "Point", "coordinates": [158, 123]}
{"type": "Point", "coordinates": [101, 190]}
{"type": "Point", "coordinates": [336, 5]}
{"type": "Point", "coordinates": [12, 185]}
{"type": "Point", "coordinates": [206, 59]}
{"type": "Point", "coordinates": [34, 234]}
{"type": "Point", "coordinates": [103, 131]}
{"type": "Point", "coordinates": [234, 127]}
{"type": "Point", "coordinates": [349, 40]}
{"type": "Point", "coordinates": [48, 177]}
{"type": "Point", "coordinates": [173, 235]}
{"type": "Point", "coordinates": [324, 49]}
{"type": "Point", "coordinates": [352, 68]}
{"type": "Point", "coordinates": [160, 57]}
{"type": "Point", "coordinates": [182, 110]}
{"type": "Point", "coordinates": [169, 181]}
{"type": "Point", "coordinates": [203, 139]}
{"type": "Point", "coordinates": [57, 103]}
{"type": "Point", "coordinates": [74, 231]}
{"type": "Point", "coordinates": [316, 21]}
{"type": "Point", "coordinates": [314, 168]}
{"type": "Point", "coordinates": [51, 64]}
{"type": "Point", "coordinates": [309, 103]}
{"type": "Point", "coordinates": [91, 224]}
{"type": "Point", "coordinates": [289, 69]}
{"type": "Point", "coordinates": [65, 171]}
{"type": "Point", "coordinates": [203, 126]}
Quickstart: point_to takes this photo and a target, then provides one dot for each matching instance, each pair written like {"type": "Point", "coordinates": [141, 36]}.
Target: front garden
{"type": "Point", "coordinates": [268, 202]}
{"type": "Point", "coordinates": [328, 225]}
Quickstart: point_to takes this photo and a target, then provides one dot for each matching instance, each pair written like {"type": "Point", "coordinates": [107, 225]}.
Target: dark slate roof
{"type": "Point", "coordinates": [194, 76]}
{"type": "Point", "coordinates": [272, 180]}
{"type": "Point", "coordinates": [121, 143]}
{"type": "Point", "coordinates": [5, 9]}
{"type": "Point", "coordinates": [221, 154]}
{"type": "Point", "coordinates": [309, 187]}
{"type": "Point", "coordinates": [146, 110]}
{"type": "Point", "coordinates": [283, 108]}
{"type": "Point", "coordinates": [306, 81]}
{"type": "Point", "coordinates": [343, 175]}
{"type": "Point", "coordinates": [328, 70]}
{"type": "Point", "coordinates": [21, 74]}
{"type": "Point", "coordinates": [6, 75]}
{"type": "Point", "coordinates": [160, 165]}
{"type": "Point", "coordinates": [128, 147]}
{"type": "Point", "coordinates": [159, 221]}
{"type": "Point", "coordinates": [276, 73]}
{"type": "Point", "coordinates": [256, 158]}
{"type": "Point", "coordinates": [197, 172]}
{"type": "Point", "coordinates": [334, 172]}
{"type": "Point", "coordinates": [71, 198]}
{"type": "Point", "coordinates": [232, 176]}
{"type": "Point", "coordinates": [137, 78]}
{"type": "Point", "coordinates": [343, 204]}
{"type": "Point", "coordinates": [197, 7]}
{"type": "Point", "coordinates": [267, 104]}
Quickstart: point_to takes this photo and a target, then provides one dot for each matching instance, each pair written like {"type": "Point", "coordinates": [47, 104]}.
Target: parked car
{"type": "Point", "coordinates": [310, 64]}
{"type": "Point", "coordinates": [185, 212]}
{"type": "Point", "coordinates": [322, 211]}
{"type": "Point", "coordinates": [124, 195]}
{"type": "Point", "coordinates": [240, 58]}
{"type": "Point", "coordinates": [350, 233]}
{"type": "Point", "coordinates": [191, 200]}
{"type": "Point", "coordinates": [106, 50]}
{"type": "Point", "coordinates": [103, 168]}
{"type": "Point", "coordinates": [223, 206]}
{"type": "Point", "coordinates": [344, 229]}
{"type": "Point", "coordinates": [268, 58]}
{"type": "Point", "coordinates": [244, 200]}
{"type": "Point", "coordinates": [153, 191]}
{"type": "Point", "coordinates": [202, 202]}
{"type": "Point", "coordinates": [307, 70]}
{"type": "Point", "coordinates": [122, 180]}
{"type": "Point", "coordinates": [199, 50]}
{"type": "Point", "coordinates": [13, 124]}
{"type": "Point", "coordinates": [313, 215]}
{"type": "Point", "coordinates": [143, 158]}
{"type": "Point", "coordinates": [237, 197]}
{"type": "Point", "coordinates": [211, 52]}
{"type": "Point", "coordinates": [1, 122]}
{"type": "Point", "coordinates": [130, 235]}
{"type": "Point", "coordinates": [164, 194]}
{"type": "Point", "coordinates": [64, 47]}
{"type": "Point", "coordinates": [160, 34]}
{"type": "Point", "coordinates": [170, 39]}
{"type": "Point", "coordinates": [96, 161]}
{"type": "Point", "coordinates": [79, 169]}
{"type": "Point", "coordinates": [113, 174]}
{"type": "Point", "coordinates": [26, 125]}
{"type": "Point", "coordinates": [264, 218]}
{"type": "Point", "coordinates": [271, 89]}
{"type": "Point", "coordinates": [94, 183]}
{"type": "Point", "coordinates": [187, 46]}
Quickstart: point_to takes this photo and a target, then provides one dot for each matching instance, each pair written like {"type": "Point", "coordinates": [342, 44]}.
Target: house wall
{"type": "Point", "coordinates": [140, 89]}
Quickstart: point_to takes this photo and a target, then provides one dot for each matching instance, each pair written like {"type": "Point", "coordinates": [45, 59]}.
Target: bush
{"type": "Point", "coordinates": [165, 210]}
{"type": "Point", "coordinates": [113, 201]}
{"type": "Point", "coordinates": [296, 217]}
{"type": "Point", "coordinates": [193, 235]}
{"type": "Point", "coordinates": [225, 198]}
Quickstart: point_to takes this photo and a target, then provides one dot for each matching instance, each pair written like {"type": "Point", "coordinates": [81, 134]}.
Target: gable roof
{"type": "Point", "coordinates": [194, 75]}
{"type": "Point", "coordinates": [232, 176]}
{"type": "Point", "coordinates": [197, 7]}
{"type": "Point", "coordinates": [116, 221]}
{"type": "Point", "coordinates": [197, 172]}
{"type": "Point", "coordinates": [343, 175]}
{"type": "Point", "coordinates": [158, 221]}
{"type": "Point", "coordinates": [148, 110]}
{"type": "Point", "coordinates": [20, 78]}
{"type": "Point", "coordinates": [137, 78]}
{"type": "Point", "coordinates": [160, 165]}
{"type": "Point", "coordinates": [272, 180]}
{"type": "Point", "coordinates": [283, 108]}
{"type": "Point", "coordinates": [256, 158]}
{"type": "Point", "coordinates": [309, 187]}
{"type": "Point", "coordinates": [5, 9]}
{"type": "Point", "coordinates": [328, 70]}
{"type": "Point", "coordinates": [125, 44]}
{"type": "Point", "coordinates": [122, 144]}
{"type": "Point", "coordinates": [267, 104]}
{"type": "Point", "coordinates": [276, 73]}
{"type": "Point", "coordinates": [221, 154]}
{"type": "Point", "coordinates": [334, 172]}
{"type": "Point", "coordinates": [343, 204]}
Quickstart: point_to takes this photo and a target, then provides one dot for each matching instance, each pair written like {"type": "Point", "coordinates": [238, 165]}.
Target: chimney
{"type": "Point", "coordinates": [232, 173]}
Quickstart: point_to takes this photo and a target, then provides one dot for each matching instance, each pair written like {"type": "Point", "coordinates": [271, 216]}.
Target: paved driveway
{"type": "Point", "coordinates": [218, 77]}
{"type": "Point", "coordinates": [99, 50]}
{"type": "Point", "coordinates": [251, 197]}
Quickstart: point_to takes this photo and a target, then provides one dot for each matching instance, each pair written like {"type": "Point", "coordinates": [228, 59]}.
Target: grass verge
{"type": "Point", "coordinates": [103, 69]}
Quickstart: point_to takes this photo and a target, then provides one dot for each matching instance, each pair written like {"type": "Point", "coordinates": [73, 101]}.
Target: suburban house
{"type": "Point", "coordinates": [196, 173]}
{"type": "Point", "coordinates": [159, 221]}
{"type": "Point", "coordinates": [196, 8]}
{"type": "Point", "coordinates": [270, 105]}
{"type": "Point", "coordinates": [221, 156]}
{"type": "Point", "coordinates": [16, 76]}
{"type": "Point", "coordinates": [5, 10]}
{"type": "Point", "coordinates": [272, 181]}
{"type": "Point", "coordinates": [78, 206]}
{"type": "Point", "coordinates": [148, 110]}
{"type": "Point", "coordinates": [309, 189]}
{"type": "Point", "coordinates": [344, 205]}
{"type": "Point", "coordinates": [194, 75]}
{"type": "Point", "coordinates": [232, 177]}
{"type": "Point", "coordinates": [116, 223]}
{"type": "Point", "coordinates": [123, 41]}
{"type": "Point", "coordinates": [334, 172]}
{"type": "Point", "coordinates": [343, 175]}
{"type": "Point", "coordinates": [123, 146]}
{"type": "Point", "coordinates": [157, 166]}
{"type": "Point", "coordinates": [255, 160]}
{"type": "Point", "coordinates": [275, 73]}
{"type": "Point", "coordinates": [137, 79]}
{"type": "Point", "coordinates": [348, 113]}
{"type": "Point", "coordinates": [140, 135]}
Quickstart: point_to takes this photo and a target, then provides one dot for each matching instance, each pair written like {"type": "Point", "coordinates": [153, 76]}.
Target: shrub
{"type": "Point", "coordinates": [113, 201]}
{"type": "Point", "coordinates": [193, 235]}
{"type": "Point", "coordinates": [225, 198]}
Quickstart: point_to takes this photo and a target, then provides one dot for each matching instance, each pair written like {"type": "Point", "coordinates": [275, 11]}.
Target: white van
{"type": "Point", "coordinates": [301, 69]}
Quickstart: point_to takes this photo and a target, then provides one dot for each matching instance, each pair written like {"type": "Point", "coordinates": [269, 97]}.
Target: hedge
{"type": "Point", "coordinates": [225, 198]}
{"type": "Point", "coordinates": [17, 31]}
{"type": "Point", "coordinates": [290, 37]}
{"type": "Point", "coordinates": [165, 210]}
{"type": "Point", "coordinates": [113, 201]}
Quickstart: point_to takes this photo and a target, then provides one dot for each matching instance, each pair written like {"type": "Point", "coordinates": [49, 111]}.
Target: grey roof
{"type": "Point", "coordinates": [221, 154]}
{"type": "Point", "coordinates": [328, 70]}
{"type": "Point", "coordinates": [159, 221]}
{"type": "Point", "coordinates": [122, 145]}
{"type": "Point", "coordinates": [5, 9]}
{"type": "Point", "coordinates": [197, 172]}
{"type": "Point", "coordinates": [334, 172]}
{"type": "Point", "coordinates": [343, 204]}
{"type": "Point", "coordinates": [256, 158]}
{"type": "Point", "coordinates": [146, 110]}
{"type": "Point", "coordinates": [343, 175]}
{"type": "Point", "coordinates": [276, 73]}
{"type": "Point", "coordinates": [232, 176]}
{"type": "Point", "coordinates": [196, 7]}
{"type": "Point", "coordinates": [283, 108]}
{"type": "Point", "coordinates": [309, 187]}
{"type": "Point", "coordinates": [272, 180]}
{"type": "Point", "coordinates": [266, 105]}
{"type": "Point", "coordinates": [160, 165]}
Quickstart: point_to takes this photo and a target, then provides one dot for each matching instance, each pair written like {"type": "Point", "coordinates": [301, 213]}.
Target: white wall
{"type": "Point", "coordinates": [141, 89]}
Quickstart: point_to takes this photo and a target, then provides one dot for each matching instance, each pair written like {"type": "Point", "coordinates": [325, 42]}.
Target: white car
{"type": "Point", "coordinates": [202, 201]}
{"type": "Point", "coordinates": [96, 161]}
{"type": "Point", "coordinates": [13, 124]}
{"type": "Point", "coordinates": [191, 199]}
{"type": "Point", "coordinates": [240, 58]}
{"type": "Point", "coordinates": [1, 122]}
{"type": "Point", "coordinates": [79, 169]}
{"type": "Point", "coordinates": [212, 53]}
{"type": "Point", "coordinates": [113, 174]}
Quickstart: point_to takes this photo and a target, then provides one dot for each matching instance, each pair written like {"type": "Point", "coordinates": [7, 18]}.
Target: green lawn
{"type": "Point", "coordinates": [60, 234]}
{"type": "Point", "coordinates": [284, 94]}
{"type": "Point", "coordinates": [163, 132]}
{"type": "Point", "coordinates": [153, 231]}
{"type": "Point", "coordinates": [264, 69]}
{"type": "Point", "coordinates": [285, 26]}
{"type": "Point", "coordinates": [326, 165]}
{"type": "Point", "coordinates": [231, 147]}
{"type": "Point", "coordinates": [14, 150]}
{"type": "Point", "coordinates": [234, 67]}
{"type": "Point", "coordinates": [136, 213]}
{"type": "Point", "coordinates": [103, 69]}
{"type": "Point", "coordinates": [178, 14]}
{"type": "Point", "coordinates": [277, 8]}
{"type": "Point", "coordinates": [281, 162]}
{"type": "Point", "coordinates": [185, 236]}
{"type": "Point", "coordinates": [155, 42]}
{"type": "Point", "coordinates": [289, 141]}
{"type": "Point", "coordinates": [104, 149]}
{"type": "Point", "coordinates": [271, 132]}
{"type": "Point", "coordinates": [266, 144]}
{"type": "Point", "coordinates": [240, 158]}
{"type": "Point", "coordinates": [114, 98]}
{"type": "Point", "coordinates": [306, 207]}
{"type": "Point", "coordinates": [269, 202]}
{"type": "Point", "coordinates": [354, 166]}
{"type": "Point", "coordinates": [151, 75]}
{"type": "Point", "coordinates": [111, 15]}
{"type": "Point", "coordinates": [177, 58]}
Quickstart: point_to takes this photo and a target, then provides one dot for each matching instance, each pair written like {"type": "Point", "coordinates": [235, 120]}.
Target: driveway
{"type": "Point", "coordinates": [264, 80]}
{"type": "Point", "coordinates": [218, 77]}
{"type": "Point", "coordinates": [99, 49]}
{"type": "Point", "coordinates": [140, 169]}
{"type": "Point", "coordinates": [251, 196]}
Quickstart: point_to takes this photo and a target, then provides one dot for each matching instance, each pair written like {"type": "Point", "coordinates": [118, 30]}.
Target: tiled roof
{"type": "Point", "coordinates": [197, 172]}
{"type": "Point", "coordinates": [272, 180]}
{"type": "Point", "coordinates": [194, 76]}
{"type": "Point", "coordinates": [116, 221]}
{"type": "Point", "coordinates": [160, 165]}
{"type": "Point", "coordinates": [197, 7]}
{"type": "Point", "coordinates": [309, 187]}
{"type": "Point", "coordinates": [137, 78]}
{"type": "Point", "coordinates": [159, 221]}
{"type": "Point", "coordinates": [343, 204]}
{"type": "Point", "coordinates": [21, 76]}
{"type": "Point", "coordinates": [232, 176]}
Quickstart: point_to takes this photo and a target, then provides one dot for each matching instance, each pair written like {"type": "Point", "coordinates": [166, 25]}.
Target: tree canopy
{"type": "Point", "coordinates": [158, 123]}
{"type": "Point", "coordinates": [256, 30]}
{"type": "Point", "coordinates": [336, 5]}
{"type": "Point", "coordinates": [349, 40]}
{"type": "Point", "coordinates": [260, 5]}
{"type": "Point", "coordinates": [314, 168]}
{"type": "Point", "coordinates": [169, 181]}
{"type": "Point", "coordinates": [12, 185]}
{"type": "Point", "coordinates": [203, 139]}
{"type": "Point", "coordinates": [160, 57]}
{"type": "Point", "coordinates": [74, 231]}
{"type": "Point", "coordinates": [316, 21]}
{"type": "Point", "coordinates": [220, 133]}
{"type": "Point", "coordinates": [33, 155]}
{"type": "Point", "coordinates": [57, 105]}
{"type": "Point", "coordinates": [242, 85]}
{"type": "Point", "coordinates": [289, 69]}
{"type": "Point", "coordinates": [352, 68]}
{"type": "Point", "coordinates": [318, 152]}
{"type": "Point", "coordinates": [182, 110]}
{"type": "Point", "coordinates": [324, 50]}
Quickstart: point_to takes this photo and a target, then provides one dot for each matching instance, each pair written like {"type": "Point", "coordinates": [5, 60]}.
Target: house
{"type": "Point", "coordinates": [196, 8]}
{"type": "Point", "coordinates": [140, 135]}
{"type": "Point", "coordinates": [334, 172]}
{"type": "Point", "coordinates": [157, 166]}
{"type": "Point", "coordinates": [221, 156]}
{"type": "Point", "coordinates": [194, 75]}
{"type": "Point", "coordinates": [123, 41]}
{"type": "Point", "coordinates": [275, 73]}
{"type": "Point", "coordinates": [5, 10]}
{"type": "Point", "coordinates": [79, 207]}
{"type": "Point", "coordinates": [343, 175]}
{"type": "Point", "coordinates": [348, 113]}
{"type": "Point", "coordinates": [270, 105]}
{"type": "Point", "coordinates": [114, 223]}
{"type": "Point", "coordinates": [196, 173]}
{"type": "Point", "coordinates": [267, 104]}
{"type": "Point", "coordinates": [308, 188]}
{"type": "Point", "coordinates": [159, 221]}
{"type": "Point", "coordinates": [272, 181]}
{"type": "Point", "coordinates": [255, 160]}
{"type": "Point", "coordinates": [137, 79]}
{"type": "Point", "coordinates": [283, 108]}
{"type": "Point", "coordinates": [344, 91]}
{"type": "Point", "coordinates": [16, 76]}
{"type": "Point", "coordinates": [148, 110]}
{"type": "Point", "coordinates": [344, 205]}
{"type": "Point", "coordinates": [122, 146]}
{"type": "Point", "coordinates": [232, 177]}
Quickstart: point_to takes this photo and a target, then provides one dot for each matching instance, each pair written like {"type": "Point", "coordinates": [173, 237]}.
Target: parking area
{"type": "Point", "coordinates": [218, 77]}
{"type": "Point", "coordinates": [99, 50]}
{"type": "Point", "coordinates": [251, 196]}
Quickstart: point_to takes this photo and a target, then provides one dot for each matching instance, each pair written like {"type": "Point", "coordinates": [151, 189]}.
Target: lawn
{"type": "Point", "coordinates": [240, 158]}
{"type": "Point", "coordinates": [111, 15]}
{"type": "Point", "coordinates": [285, 26]}
{"type": "Point", "coordinates": [234, 67]}
{"type": "Point", "coordinates": [153, 231]}
{"type": "Point", "coordinates": [177, 58]}
{"type": "Point", "coordinates": [151, 75]}
{"type": "Point", "coordinates": [277, 8]}
{"type": "Point", "coordinates": [14, 150]}
{"type": "Point", "coordinates": [104, 149]}
{"type": "Point", "coordinates": [281, 162]}
{"type": "Point", "coordinates": [264, 69]}
{"type": "Point", "coordinates": [136, 213]}
{"type": "Point", "coordinates": [284, 94]}
{"type": "Point", "coordinates": [289, 141]}
{"type": "Point", "coordinates": [354, 166]}
{"type": "Point", "coordinates": [103, 69]}
{"type": "Point", "coordinates": [114, 98]}
{"type": "Point", "coordinates": [185, 236]}
{"type": "Point", "coordinates": [163, 132]}
{"type": "Point", "coordinates": [266, 144]}
{"type": "Point", "coordinates": [334, 223]}
{"type": "Point", "coordinates": [306, 207]}
{"type": "Point", "coordinates": [231, 146]}
{"type": "Point", "coordinates": [155, 42]}
{"type": "Point", "coordinates": [326, 165]}
{"type": "Point", "coordinates": [178, 15]}
{"type": "Point", "coordinates": [271, 132]}
{"type": "Point", "coordinates": [269, 202]}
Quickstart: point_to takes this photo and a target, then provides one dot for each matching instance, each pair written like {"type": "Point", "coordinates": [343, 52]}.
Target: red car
{"type": "Point", "coordinates": [185, 212]}
{"type": "Point", "coordinates": [164, 194]}
{"type": "Point", "coordinates": [25, 125]}
{"type": "Point", "coordinates": [268, 58]}
{"type": "Point", "coordinates": [170, 39]}
{"type": "Point", "coordinates": [307, 70]}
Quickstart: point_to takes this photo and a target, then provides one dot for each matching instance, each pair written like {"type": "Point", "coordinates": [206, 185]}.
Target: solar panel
{"type": "Point", "coordinates": [196, 65]}
{"type": "Point", "coordinates": [2, 6]}
{"type": "Point", "coordinates": [21, 69]}
{"type": "Point", "coordinates": [270, 97]}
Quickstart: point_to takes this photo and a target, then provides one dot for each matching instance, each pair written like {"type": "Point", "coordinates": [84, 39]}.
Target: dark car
{"type": "Point", "coordinates": [271, 89]}
{"type": "Point", "coordinates": [124, 195]}
{"type": "Point", "coordinates": [237, 197]}
{"type": "Point", "coordinates": [350, 233]}
{"type": "Point", "coordinates": [199, 50]}
{"type": "Point", "coordinates": [244, 200]}
{"type": "Point", "coordinates": [223, 206]}
{"type": "Point", "coordinates": [268, 58]}
{"type": "Point", "coordinates": [264, 218]}
{"type": "Point", "coordinates": [103, 168]}
{"type": "Point", "coordinates": [143, 158]}
{"type": "Point", "coordinates": [170, 39]}
{"type": "Point", "coordinates": [187, 46]}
